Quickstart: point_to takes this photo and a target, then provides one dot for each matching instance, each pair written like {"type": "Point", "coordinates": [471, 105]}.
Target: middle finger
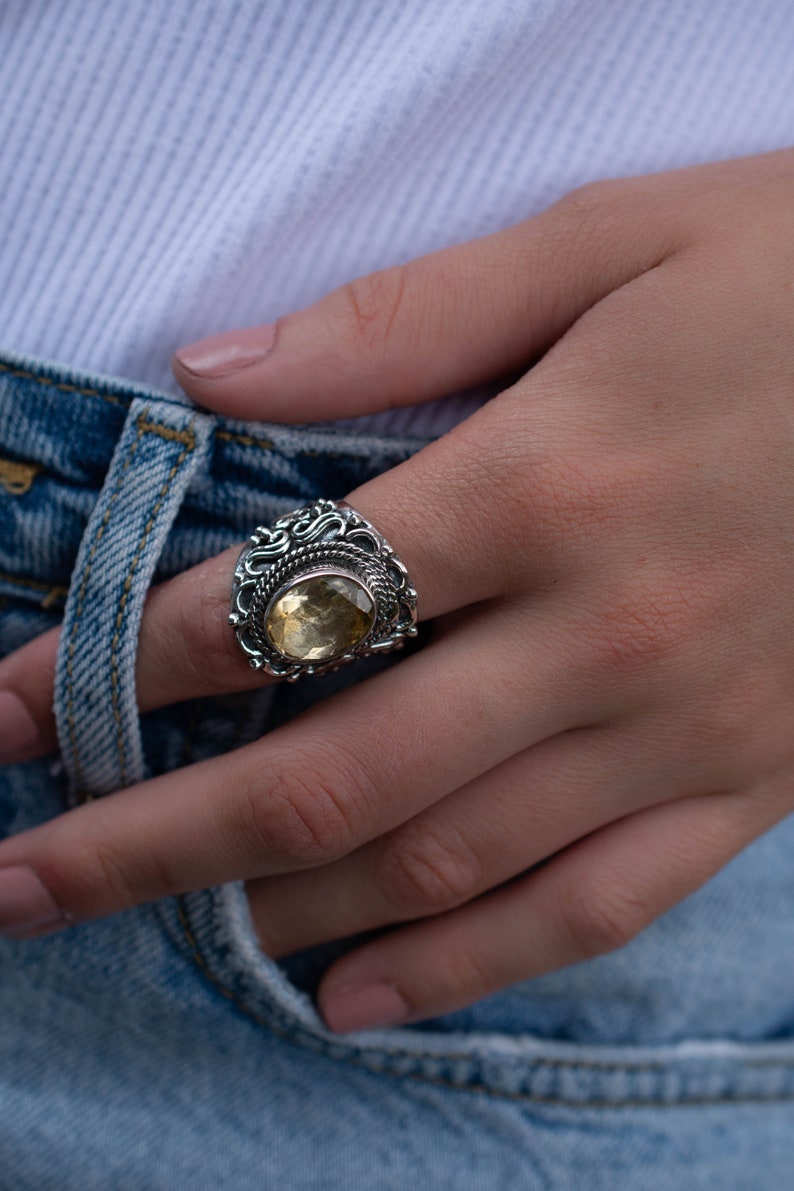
{"type": "Point", "coordinates": [329, 781]}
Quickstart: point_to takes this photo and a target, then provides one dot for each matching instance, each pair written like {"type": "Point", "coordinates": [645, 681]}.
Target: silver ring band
{"type": "Point", "coordinates": [319, 588]}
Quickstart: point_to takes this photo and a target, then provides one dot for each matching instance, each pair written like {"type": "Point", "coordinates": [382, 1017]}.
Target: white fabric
{"type": "Point", "coordinates": [171, 169]}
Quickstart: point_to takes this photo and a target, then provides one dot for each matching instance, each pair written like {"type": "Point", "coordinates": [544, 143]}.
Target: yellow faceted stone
{"type": "Point", "coordinates": [320, 617]}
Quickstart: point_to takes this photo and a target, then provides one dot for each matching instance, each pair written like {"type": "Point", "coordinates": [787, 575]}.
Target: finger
{"type": "Point", "coordinates": [593, 898]}
{"type": "Point", "coordinates": [441, 323]}
{"type": "Point", "coordinates": [441, 510]}
{"type": "Point", "coordinates": [27, 678]}
{"type": "Point", "coordinates": [314, 789]}
{"type": "Point", "coordinates": [186, 649]}
{"type": "Point", "coordinates": [502, 824]}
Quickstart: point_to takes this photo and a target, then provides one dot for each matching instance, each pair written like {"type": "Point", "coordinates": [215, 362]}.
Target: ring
{"type": "Point", "coordinates": [318, 588]}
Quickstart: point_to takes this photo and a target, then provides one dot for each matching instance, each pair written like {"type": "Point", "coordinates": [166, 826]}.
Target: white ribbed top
{"type": "Point", "coordinates": [173, 168]}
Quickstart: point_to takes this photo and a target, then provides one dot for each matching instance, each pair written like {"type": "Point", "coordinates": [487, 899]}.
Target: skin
{"type": "Point", "coordinates": [602, 716]}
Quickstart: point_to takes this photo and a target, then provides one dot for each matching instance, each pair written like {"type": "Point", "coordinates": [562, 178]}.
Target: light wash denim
{"type": "Point", "coordinates": [160, 1049]}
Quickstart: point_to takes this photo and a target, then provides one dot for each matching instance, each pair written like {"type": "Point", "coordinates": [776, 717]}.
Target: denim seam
{"type": "Point", "coordinates": [247, 440]}
{"type": "Point", "coordinates": [45, 380]}
{"type": "Point", "coordinates": [265, 444]}
{"type": "Point", "coordinates": [188, 438]}
{"type": "Point", "coordinates": [53, 591]}
{"type": "Point", "coordinates": [301, 1038]}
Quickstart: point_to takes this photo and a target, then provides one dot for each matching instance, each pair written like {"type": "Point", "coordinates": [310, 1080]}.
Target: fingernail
{"type": "Point", "coordinates": [19, 736]}
{"type": "Point", "coordinates": [25, 904]}
{"type": "Point", "coordinates": [363, 1006]}
{"type": "Point", "coordinates": [228, 352]}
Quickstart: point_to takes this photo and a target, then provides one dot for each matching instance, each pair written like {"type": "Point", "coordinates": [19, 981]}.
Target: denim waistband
{"type": "Point", "coordinates": [59, 428]}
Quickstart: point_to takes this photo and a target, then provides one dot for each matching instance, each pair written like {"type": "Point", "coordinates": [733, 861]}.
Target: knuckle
{"type": "Point", "coordinates": [185, 633]}
{"type": "Point", "coordinates": [645, 626]}
{"type": "Point", "coordinates": [591, 212]}
{"type": "Point", "coordinates": [539, 500]}
{"type": "Point", "coordinates": [422, 870]}
{"type": "Point", "coordinates": [373, 304]}
{"type": "Point", "coordinates": [298, 814]}
{"type": "Point", "coordinates": [603, 204]}
{"type": "Point", "coordinates": [590, 498]}
{"type": "Point", "coordinates": [572, 497]}
{"type": "Point", "coordinates": [599, 916]}
{"type": "Point", "coordinates": [471, 972]}
{"type": "Point", "coordinates": [564, 494]}
{"type": "Point", "coordinates": [721, 724]}
{"type": "Point", "coordinates": [744, 728]}
{"type": "Point", "coordinates": [639, 211]}
{"type": "Point", "coordinates": [97, 867]}
{"type": "Point", "coordinates": [206, 643]}
{"type": "Point", "coordinates": [588, 198]}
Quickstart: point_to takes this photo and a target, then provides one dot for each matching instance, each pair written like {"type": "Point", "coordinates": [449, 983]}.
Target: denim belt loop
{"type": "Point", "coordinates": [160, 448]}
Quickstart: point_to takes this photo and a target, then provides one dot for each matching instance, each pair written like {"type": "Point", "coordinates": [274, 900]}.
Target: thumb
{"type": "Point", "coordinates": [439, 324]}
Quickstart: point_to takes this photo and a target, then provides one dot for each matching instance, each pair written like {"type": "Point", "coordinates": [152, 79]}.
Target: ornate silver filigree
{"type": "Point", "coordinates": [325, 538]}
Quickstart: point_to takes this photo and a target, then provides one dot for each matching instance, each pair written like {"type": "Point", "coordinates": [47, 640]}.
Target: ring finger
{"type": "Point", "coordinates": [186, 648]}
{"type": "Point", "coordinates": [494, 828]}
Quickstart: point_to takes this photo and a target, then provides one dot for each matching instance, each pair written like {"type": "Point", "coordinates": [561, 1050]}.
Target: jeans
{"type": "Point", "coordinates": [159, 1048]}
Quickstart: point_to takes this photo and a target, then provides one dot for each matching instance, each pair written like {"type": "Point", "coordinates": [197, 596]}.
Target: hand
{"type": "Point", "coordinates": [602, 716]}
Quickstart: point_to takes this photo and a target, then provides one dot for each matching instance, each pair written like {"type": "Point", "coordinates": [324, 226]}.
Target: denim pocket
{"type": "Point", "coordinates": [697, 1010]}
{"type": "Point", "coordinates": [214, 931]}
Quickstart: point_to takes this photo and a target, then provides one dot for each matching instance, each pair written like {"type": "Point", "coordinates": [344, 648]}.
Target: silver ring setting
{"type": "Point", "coordinates": [319, 588]}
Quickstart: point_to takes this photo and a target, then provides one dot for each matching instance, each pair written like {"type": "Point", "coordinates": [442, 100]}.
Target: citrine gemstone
{"type": "Point", "coordinates": [320, 617]}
